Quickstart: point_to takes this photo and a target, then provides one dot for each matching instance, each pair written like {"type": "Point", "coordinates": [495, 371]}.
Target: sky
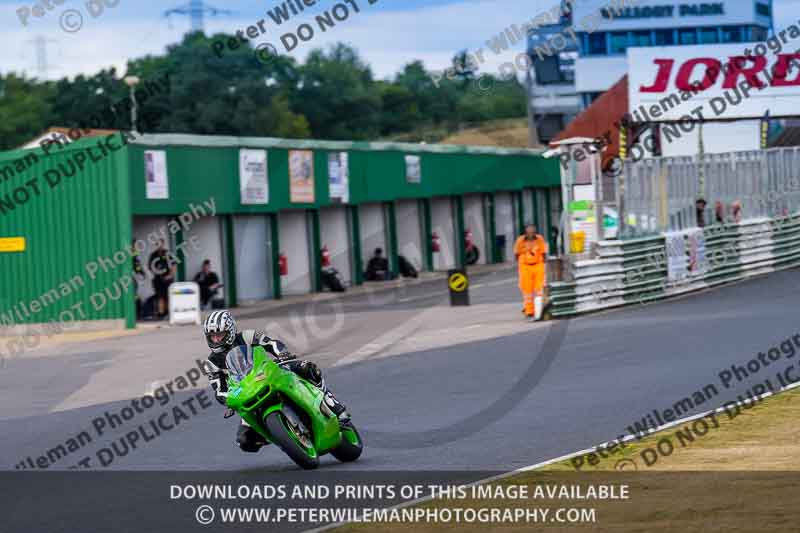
{"type": "Point", "coordinates": [387, 33]}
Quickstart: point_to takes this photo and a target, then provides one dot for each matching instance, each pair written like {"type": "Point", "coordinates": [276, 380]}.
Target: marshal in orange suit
{"type": "Point", "coordinates": [530, 251]}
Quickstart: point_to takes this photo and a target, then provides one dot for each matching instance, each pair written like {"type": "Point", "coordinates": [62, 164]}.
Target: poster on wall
{"type": "Point", "coordinates": [698, 264]}
{"type": "Point", "coordinates": [582, 218]}
{"type": "Point", "coordinates": [338, 177]}
{"type": "Point", "coordinates": [413, 170]}
{"type": "Point", "coordinates": [253, 179]}
{"type": "Point", "coordinates": [677, 267]}
{"type": "Point", "coordinates": [155, 175]}
{"type": "Point", "coordinates": [301, 176]}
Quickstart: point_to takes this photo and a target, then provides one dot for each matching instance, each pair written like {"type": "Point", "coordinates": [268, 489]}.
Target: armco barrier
{"type": "Point", "coordinates": [635, 271]}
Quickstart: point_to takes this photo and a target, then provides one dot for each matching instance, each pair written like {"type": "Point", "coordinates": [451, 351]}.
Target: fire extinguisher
{"type": "Point", "coordinates": [326, 256]}
{"type": "Point", "coordinates": [435, 245]}
{"type": "Point", "coordinates": [283, 264]}
{"type": "Point", "coordinates": [468, 238]}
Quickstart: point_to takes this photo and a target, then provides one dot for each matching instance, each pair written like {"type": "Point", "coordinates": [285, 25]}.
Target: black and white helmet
{"type": "Point", "coordinates": [220, 331]}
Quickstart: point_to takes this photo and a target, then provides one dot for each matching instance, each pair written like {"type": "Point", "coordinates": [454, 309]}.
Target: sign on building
{"type": "Point", "coordinates": [338, 177]}
{"type": "Point", "coordinates": [605, 15]}
{"type": "Point", "coordinates": [712, 82]}
{"type": "Point", "coordinates": [253, 177]}
{"type": "Point", "coordinates": [155, 175]}
{"type": "Point", "coordinates": [413, 170]}
{"type": "Point", "coordinates": [12, 244]}
{"type": "Point", "coordinates": [582, 218]}
{"type": "Point", "coordinates": [301, 176]}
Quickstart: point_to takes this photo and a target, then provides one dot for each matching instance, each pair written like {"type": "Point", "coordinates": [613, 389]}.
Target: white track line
{"type": "Point", "coordinates": [568, 456]}
{"type": "Point", "coordinates": [389, 338]}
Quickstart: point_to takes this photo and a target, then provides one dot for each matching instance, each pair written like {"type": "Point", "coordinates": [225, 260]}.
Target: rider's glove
{"type": "Point", "coordinates": [311, 372]}
{"type": "Point", "coordinates": [219, 384]}
{"type": "Point", "coordinates": [285, 356]}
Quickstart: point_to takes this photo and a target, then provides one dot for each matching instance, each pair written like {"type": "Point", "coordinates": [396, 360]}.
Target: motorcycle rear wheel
{"type": "Point", "coordinates": [291, 442]}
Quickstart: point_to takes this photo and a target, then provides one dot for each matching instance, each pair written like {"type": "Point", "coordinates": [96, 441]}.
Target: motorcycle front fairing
{"type": "Point", "coordinates": [259, 386]}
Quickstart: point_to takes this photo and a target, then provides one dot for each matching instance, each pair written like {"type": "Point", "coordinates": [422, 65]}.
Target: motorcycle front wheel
{"type": "Point", "coordinates": [351, 446]}
{"type": "Point", "coordinates": [294, 441]}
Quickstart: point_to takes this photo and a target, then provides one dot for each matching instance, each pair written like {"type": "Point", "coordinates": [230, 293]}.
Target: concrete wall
{"type": "Point", "coordinates": [442, 224]}
{"type": "Point", "coordinates": [409, 232]}
{"type": "Point", "coordinates": [335, 234]}
{"type": "Point", "coordinates": [474, 221]}
{"type": "Point", "coordinates": [142, 227]}
{"type": "Point", "coordinates": [253, 257]}
{"type": "Point", "coordinates": [294, 240]}
{"type": "Point", "coordinates": [373, 230]}
{"type": "Point", "coordinates": [504, 221]}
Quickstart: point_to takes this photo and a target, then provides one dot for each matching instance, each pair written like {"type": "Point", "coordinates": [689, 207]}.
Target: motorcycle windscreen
{"type": "Point", "coordinates": [239, 362]}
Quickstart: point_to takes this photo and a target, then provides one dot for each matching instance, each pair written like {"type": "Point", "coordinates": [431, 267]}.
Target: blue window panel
{"type": "Point", "coordinates": [758, 33]}
{"type": "Point", "coordinates": [641, 38]}
{"type": "Point", "coordinates": [687, 36]}
{"type": "Point", "coordinates": [597, 44]}
{"type": "Point", "coordinates": [664, 37]}
{"type": "Point", "coordinates": [709, 36]}
{"type": "Point", "coordinates": [619, 42]}
{"type": "Point", "coordinates": [732, 34]}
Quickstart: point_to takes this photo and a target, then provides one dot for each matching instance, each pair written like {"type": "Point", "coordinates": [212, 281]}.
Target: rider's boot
{"type": "Point", "coordinates": [312, 373]}
{"type": "Point", "coordinates": [335, 405]}
{"type": "Point", "coordinates": [248, 439]}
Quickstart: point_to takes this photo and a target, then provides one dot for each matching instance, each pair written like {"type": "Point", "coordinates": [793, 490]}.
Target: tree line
{"type": "Point", "coordinates": [333, 95]}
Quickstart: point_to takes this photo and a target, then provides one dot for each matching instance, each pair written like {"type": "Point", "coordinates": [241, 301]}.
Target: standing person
{"type": "Point", "coordinates": [138, 274]}
{"type": "Point", "coordinates": [163, 275]}
{"type": "Point", "coordinates": [208, 281]}
{"type": "Point", "coordinates": [530, 250]}
{"type": "Point", "coordinates": [719, 212]}
{"type": "Point", "coordinates": [700, 208]}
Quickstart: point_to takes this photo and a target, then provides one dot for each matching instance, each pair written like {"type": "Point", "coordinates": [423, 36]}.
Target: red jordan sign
{"type": "Point", "coordinates": [714, 82]}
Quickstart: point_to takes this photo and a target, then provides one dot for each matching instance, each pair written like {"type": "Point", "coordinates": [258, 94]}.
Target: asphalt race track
{"type": "Point", "coordinates": [484, 406]}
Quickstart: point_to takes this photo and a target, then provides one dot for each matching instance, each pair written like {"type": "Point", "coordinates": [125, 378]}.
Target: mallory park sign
{"type": "Point", "coordinates": [682, 10]}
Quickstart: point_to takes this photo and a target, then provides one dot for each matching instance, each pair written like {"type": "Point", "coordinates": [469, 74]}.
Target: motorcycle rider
{"type": "Point", "coordinates": [222, 336]}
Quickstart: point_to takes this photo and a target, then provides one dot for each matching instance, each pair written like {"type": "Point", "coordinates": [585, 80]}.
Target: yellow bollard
{"type": "Point", "coordinates": [577, 241]}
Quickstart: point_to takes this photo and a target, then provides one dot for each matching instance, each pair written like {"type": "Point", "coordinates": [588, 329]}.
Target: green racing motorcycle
{"type": "Point", "coordinates": [287, 410]}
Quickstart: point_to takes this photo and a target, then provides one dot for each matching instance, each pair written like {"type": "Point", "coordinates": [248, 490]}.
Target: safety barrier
{"type": "Point", "coordinates": [643, 270]}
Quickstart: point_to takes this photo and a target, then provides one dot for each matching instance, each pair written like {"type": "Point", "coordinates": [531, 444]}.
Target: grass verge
{"type": "Point", "coordinates": [737, 472]}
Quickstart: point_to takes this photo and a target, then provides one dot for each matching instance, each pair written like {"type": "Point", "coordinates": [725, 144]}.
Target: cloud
{"type": "Point", "coordinates": [387, 35]}
{"type": "Point", "coordinates": [434, 34]}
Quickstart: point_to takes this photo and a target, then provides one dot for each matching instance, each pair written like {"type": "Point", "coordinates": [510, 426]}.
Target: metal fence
{"type": "Point", "coordinates": [660, 194]}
